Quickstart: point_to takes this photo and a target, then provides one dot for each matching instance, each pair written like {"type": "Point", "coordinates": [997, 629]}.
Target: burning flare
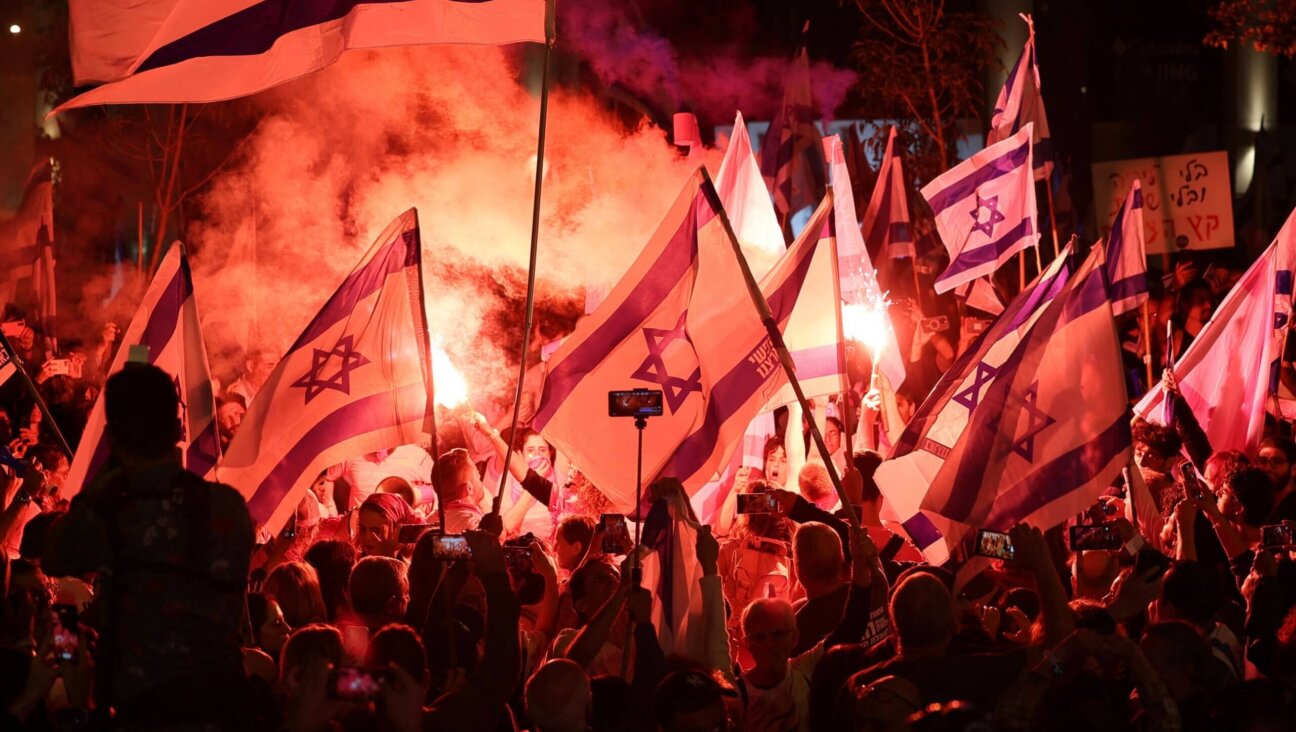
{"type": "Point", "coordinates": [450, 388]}
{"type": "Point", "coordinates": [868, 321]}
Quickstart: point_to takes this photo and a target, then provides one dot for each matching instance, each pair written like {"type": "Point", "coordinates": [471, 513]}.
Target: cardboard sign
{"type": "Point", "coordinates": [1187, 199]}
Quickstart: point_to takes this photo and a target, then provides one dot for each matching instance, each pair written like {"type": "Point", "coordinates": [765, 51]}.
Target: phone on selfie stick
{"type": "Point", "coordinates": [640, 404]}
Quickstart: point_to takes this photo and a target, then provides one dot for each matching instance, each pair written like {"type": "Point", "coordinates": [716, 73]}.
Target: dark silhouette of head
{"type": "Point", "coordinates": [143, 413]}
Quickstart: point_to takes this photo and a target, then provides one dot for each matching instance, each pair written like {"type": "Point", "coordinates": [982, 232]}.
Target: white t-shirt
{"type": "Point", "coordinates": [364, 473]}
{"type": "Point", "coordinates": [783, 708]}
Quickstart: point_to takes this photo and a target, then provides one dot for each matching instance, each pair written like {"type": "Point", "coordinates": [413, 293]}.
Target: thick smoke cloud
{"type": "Point", "coordinates": [450, 131]}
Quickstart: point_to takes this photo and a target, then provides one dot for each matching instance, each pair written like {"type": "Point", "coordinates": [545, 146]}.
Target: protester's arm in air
{"type": "Point", "coordinates": [649, 664]}
{"type": "Point", "coordinates": [479, 703]}
{"type": "Point", "coordinates": [716, 633]}
{"type": "Point", "coordinates": [591, 639]}
{"type": "Point", "coordinates": [517, 464]}
{"type": "Point", "coordinates": [1032, 551]}
{"type": "Point", "coordinates": [1194, 438]}
{"type": "Point", "coordinates": [801, 511]}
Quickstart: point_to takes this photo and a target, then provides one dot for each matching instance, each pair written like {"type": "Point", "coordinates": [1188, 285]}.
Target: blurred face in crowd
{"type": "Point", "coordinates": [229, 416]}
{"type": "Point", "coordinates": [1199, 306]}
{"type": "Point", "coordinates": [776, 465]}
{"type": "Point", "coordinates": [374, 532]}
{"type": "Point", "coordinates": [568, 552]}
{"type": "Point", "coordinates": [599, 586]}
{"type": "Point", "coordinates": [770, 635]}
{"type": "Point", "coordinates": [57, 473]}
{"type": "Point", "coordinates": [905, 406]}
{"type": "Point", "coordinates": [260, 368]}
{"type": "Point", "coordinates": [832, 437]}
{"type": "Point", "coordinates": [1274, 462]}
{"type": "Point", "coordinates": [535, 450]}
{"type": "Point", "coordinates": [1146, 457]}
{"type": "Point", "coordinates": [274, 631]}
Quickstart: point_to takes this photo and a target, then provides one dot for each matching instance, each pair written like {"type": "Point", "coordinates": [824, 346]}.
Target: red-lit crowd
{"type": "Point", "coordinates": [458, 592]}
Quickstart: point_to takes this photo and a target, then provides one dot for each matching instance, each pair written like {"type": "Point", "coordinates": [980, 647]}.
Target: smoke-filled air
{"type": "Point", "coordinates": [451, 131]}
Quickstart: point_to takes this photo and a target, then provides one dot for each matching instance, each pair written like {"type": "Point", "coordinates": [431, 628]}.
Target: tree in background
{"type": "Point", "coordinates": [1268, 26]}
{"type": "Point", "coordinates": [924, 66]}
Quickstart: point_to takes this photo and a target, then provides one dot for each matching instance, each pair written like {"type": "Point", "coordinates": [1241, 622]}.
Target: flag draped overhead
{"type": "Point", "coordinates": [886, 220]}
{"type": "Point", "coordinates": [167, 324]}
{"type": "Point", "coordinates": [210, 50]}
{"type": "Point", "coordinates": [1231, 367]}
{"type": "Point", "coordinates": [681, 320]}
{"type": "Point", "coordinates": [354, 382]}
{"type": "Point", "coordinates": [792, 160]}
{"type": "Point", "coordinates": [1126, 257]}
{"type": "Point", "coordinates": [747, 201]}
{"type": "Point", "coordinates": [1019, 104]}
{"type": "Point", "coordinates": [985, 209]}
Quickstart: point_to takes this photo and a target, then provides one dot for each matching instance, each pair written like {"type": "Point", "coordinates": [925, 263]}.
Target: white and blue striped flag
{"type": "Point", "coordinates": [1020, 104]}
{"type": "Point", "coordinates": [211, 50]}
{"type": "Point", "coordinates": [167, 325]}
{"type": "Point", "coordinates": [1030, 425]}
{"type": "Point", "coordinates": [1126, 257]}
{"type": "Point", "coordinates": [985, 209]}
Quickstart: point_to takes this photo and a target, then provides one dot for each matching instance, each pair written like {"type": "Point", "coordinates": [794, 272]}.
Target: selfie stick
{"type": "Point", "coordinates": [636, 571]}
{"type": "Point", "coordinates": [772, 328]}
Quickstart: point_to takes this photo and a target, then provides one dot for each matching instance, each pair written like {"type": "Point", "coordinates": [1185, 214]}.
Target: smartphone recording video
{"type": "Point", "coordinates": [1192, 481]}
{"type": "Point", "coordinates": [616, 534]}
{"type": "Point", "coordinates": [355, 683]}
{"type": "Point", "coordinates": [66, 637]}
{"type": "Point", "coordinates": [994, 544]}
{"type": "Point", "coordinates": [635, 403]}
{"type": "Point", "coordinates": [1094, 537]}
{"type": "Point", "coordinates": [518, 558]}
{"type": "Point", "coordinates": [450, 547]}
{"type": "Point", "coordinates": [757, 503]}
{"type": "Point", "coordinates": [1276, 536]}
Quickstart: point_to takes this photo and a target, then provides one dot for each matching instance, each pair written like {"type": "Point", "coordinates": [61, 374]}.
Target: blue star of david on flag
{"type": "Point", "coordinates": [351, 359]}
{"type": "Point", "coordinates": [653, 369]}
{"type": "Point", "coordinates": [991, 205]}
{"type": "Point", "coordinates": [971, 396]}
{"type": "Point", "coordinates": [1036, 422]}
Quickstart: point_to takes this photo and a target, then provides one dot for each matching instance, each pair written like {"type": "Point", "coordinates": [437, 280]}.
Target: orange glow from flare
{"type": "Point", "coordinates": [869, 321]}
{"type": "Point", "coordinates": [864, 323]}
{"type": "Point", "coordinates": [451, 388]}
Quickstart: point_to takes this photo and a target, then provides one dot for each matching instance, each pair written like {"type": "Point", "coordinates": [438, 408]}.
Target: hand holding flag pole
{"type": "Point", "coordinates": [776, 338]}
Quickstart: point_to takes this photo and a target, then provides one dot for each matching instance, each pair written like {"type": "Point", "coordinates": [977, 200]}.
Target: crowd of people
{"type": "Point", "coordinates": [457, 592]}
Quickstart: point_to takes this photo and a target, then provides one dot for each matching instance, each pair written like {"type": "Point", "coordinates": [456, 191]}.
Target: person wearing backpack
{"type": "Point", "coordinates": [171, 552]}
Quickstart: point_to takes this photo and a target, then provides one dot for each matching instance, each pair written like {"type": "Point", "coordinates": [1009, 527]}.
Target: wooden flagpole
{"type": "Point", "coordinates": [531, 266]}
{"type": "Point", "coordinates": [776, 338]}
